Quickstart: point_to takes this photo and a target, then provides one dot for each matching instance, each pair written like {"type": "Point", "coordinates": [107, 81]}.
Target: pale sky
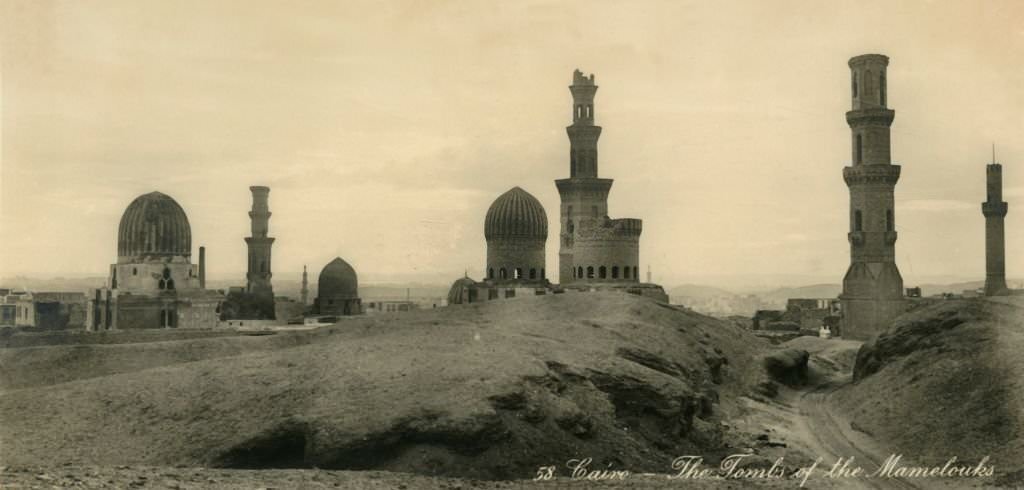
{"type": "Point", "coordinates": [385, 129]}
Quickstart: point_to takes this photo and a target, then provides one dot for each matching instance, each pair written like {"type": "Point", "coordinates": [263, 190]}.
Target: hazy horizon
{"type": "Point", "coordinates": [385, 130]}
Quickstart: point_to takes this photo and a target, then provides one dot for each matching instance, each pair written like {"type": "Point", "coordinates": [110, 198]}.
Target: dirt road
{"type": "Point", "coordinates": [833, 438]}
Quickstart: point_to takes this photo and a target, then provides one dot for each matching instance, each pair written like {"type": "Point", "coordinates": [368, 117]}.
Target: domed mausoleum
{"type": "Point", "coordinates": [338, 290]}
{"type": "Point", "coordinates": [154, 284]}
{"type": "Point", "coordinates": [516, 229]}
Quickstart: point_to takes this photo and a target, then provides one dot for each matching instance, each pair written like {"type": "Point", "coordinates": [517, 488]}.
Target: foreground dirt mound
{"type": "Point", "coordinates": [490, 390]}
{"type": "Point", "coordinates": [944, 381]}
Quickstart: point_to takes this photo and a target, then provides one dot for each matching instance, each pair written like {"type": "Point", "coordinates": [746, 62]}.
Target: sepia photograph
{"type": "Point", "coordinates": [511, 245]}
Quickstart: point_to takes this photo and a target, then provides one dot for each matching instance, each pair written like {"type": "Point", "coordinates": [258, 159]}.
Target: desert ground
{"type": "Point", "coordinates": [489, 395]}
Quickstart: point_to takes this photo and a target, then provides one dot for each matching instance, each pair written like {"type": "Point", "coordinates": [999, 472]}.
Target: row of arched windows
{"type": "Point", "coordinates": [515, 273]}
{"type": "Point", "coordinates": [603, 272]}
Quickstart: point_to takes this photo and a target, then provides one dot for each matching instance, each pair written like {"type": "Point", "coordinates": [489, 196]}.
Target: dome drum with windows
{"type": "Point", "coordinates": [516, 229]}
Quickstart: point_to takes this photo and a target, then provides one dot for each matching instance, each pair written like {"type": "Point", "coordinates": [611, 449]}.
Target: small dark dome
{"type": "Point", "coordinates": [516, 214]}
{"type": "Point", "coordinates": [154, 225]}
{"type": "Point", "coordinates": [455, 296]}
{"type": "Point", "coordinates": [338, 280]}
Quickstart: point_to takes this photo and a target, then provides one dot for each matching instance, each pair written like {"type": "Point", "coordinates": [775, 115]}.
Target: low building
{"type": "Point", "coordinates": [50, 310]}
{"type": "Point", "coordinates": [389, 306]}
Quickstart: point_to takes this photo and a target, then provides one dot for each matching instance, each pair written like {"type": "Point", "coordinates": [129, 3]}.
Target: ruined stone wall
{"type": "Point", "coordinates": [603, 249]}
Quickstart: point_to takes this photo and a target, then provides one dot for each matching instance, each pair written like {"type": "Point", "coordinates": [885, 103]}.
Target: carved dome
{"type": "Point", "coordinates": [154, 225]}
{"type": "Point", "coordinates": [516, 214]}
{"type": "Point", "coordinates": [338, 280]}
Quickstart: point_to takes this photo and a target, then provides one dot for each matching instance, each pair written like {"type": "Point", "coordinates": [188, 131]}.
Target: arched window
{"type": "Point", "coordinates": [858, 224]}
{"type": "Point", "coordinates": [490, 273]}
{"type": "Point", "coordinates": [590, 111]}
{"type": "Point", "coordinates": [579, 272]}
{"type": "Point", "coordinates": [135, 271]}
{"type": "Point", "coordinates": [579, 112]}
{"type": "Point", "coordinates": [615, 272]}
{"type": "Point", "coordinates": [881, 88]}
{"type": "Point", "coordinates": [502, 273]}
{"type": "Point", "coordinates": [860, 150]}
{"type": "Point", "coordinates": [636, 272]}
{"type": "Point", "coordinates": [854, 77]}
{"type": "Point", "coordinates": [574, 273]}
{"type": "Point", "coordinates": [519, 272]}
{"type": "Point", "coordinates": [572, 163]}
{"type": "Point", "coordinates": [162, 284]}
{"type": "Point", "coordinates": [533, 273]}
{"type": "Point", "coordinates": [602, 272]}
{"type": "Point", "coordinates": [889, 225]}
{"type": "Point", "coordinates": [263, 266]}
{"type": "Point", "coordinates": [590, 272]}
{"type": "Point", "coordinates": [572, 226]}
{"type": "Point", "coordinates": [542, 274]}
{"type": "Point", "coordinates": [625, 272]}
{"type": "Point", "coordinates": [170, 284]}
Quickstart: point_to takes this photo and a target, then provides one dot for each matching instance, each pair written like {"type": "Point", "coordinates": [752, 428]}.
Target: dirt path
{"type": "Point", "coordinates": [833, 438]}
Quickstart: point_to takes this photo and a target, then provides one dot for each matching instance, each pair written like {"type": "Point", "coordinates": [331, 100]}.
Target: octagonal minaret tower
{"type": "Point", "coordinates": [872, 288]}
{"type": "Point", "coordinates": [593, 248]}
{"type": "Point", "coordinates": [258, 277]}
{"type": "Point", "coordinates": [994, 209]}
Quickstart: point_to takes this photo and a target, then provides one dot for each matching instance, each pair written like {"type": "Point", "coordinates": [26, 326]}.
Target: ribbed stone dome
{"type": "Point", "coordinates": [338, 280]}
{"type": "Point", "coordinates": [154, 225]}
{"type": "Point", "coordinates": [516, 214]}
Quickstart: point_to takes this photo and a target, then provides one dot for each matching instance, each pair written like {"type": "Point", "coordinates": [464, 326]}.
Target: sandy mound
{"type": "Point", "coordinates": [946, 380]}
{"type": "Point", "coordinates": [489, 390]}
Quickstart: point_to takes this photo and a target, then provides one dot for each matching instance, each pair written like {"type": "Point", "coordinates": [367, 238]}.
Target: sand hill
{"type": "Point", "coordinates": [947, 380]}
{"type": "Point", "coordinates": [487, 390]}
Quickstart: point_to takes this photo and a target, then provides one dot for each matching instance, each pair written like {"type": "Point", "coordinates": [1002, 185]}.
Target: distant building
{"type": "Point", "coordinates": [913, 292]}
{"type": "Point", "coordinates": [389, 306]}
{"type": "Point", "coordinates": [154, 284]}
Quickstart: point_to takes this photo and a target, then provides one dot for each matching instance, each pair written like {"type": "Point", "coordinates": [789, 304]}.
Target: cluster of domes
{"type": "Point", "coordinates": [154, 225]}
{"type": "Point", "coordinates": [516, 214]}
{"type": "Point", "coordinates": [338, 280]}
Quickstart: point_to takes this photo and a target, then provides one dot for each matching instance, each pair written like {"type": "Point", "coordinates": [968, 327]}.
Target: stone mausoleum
{"type": "Point", "coordinates": [154, 283]}
{"type": "Point", "coordinates": [338, 290]}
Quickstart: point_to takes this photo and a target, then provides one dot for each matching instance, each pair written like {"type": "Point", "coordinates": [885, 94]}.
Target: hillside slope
{"type": "Point", "coordinates": [489, 390]}
{"type": "Point", "coordinates": [944, 381]}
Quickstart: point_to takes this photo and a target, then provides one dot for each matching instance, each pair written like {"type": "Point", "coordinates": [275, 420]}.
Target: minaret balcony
{"type": "Point", "coordinates": [994, 209]}
{"type": "Point", "coordinates": [870, 117]}
{"type": "Point", "coordinates": [890, 237]}
{"type": "Point", "coordinates": [856, 238]}
{"type": "Point", "coordinates": [871, 174]}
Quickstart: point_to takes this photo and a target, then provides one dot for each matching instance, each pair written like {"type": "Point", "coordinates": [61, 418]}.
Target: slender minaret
{"type": "Point", "coordinates": [305, 285]}
{"type": "Point", "coordinates": [994, 210]}
{"type": "Point", "coordinates": [258, 277]}
{"type": "Point", "coordinates": [872, 288]}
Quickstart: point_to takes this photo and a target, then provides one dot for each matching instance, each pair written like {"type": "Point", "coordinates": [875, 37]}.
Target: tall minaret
{"type": "Point", "coordinates": [305, 285]}
{"type": "Point", "coordinates": [872, 288]}
{"type": "Point", "coordinates": [584, 195]}
{"type": "Point", "coordinates": [994, 210]}
{"type": "Point", "coordinates": [258, 277]}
